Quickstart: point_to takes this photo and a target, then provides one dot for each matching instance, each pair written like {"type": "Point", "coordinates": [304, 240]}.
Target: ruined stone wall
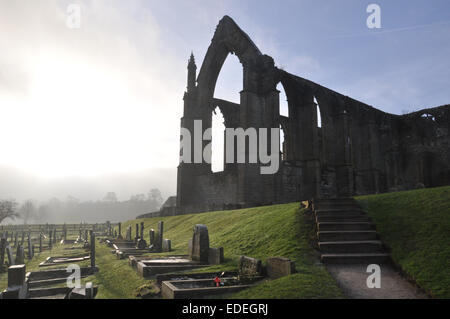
{"type": "Point", "coordinates": [357, 150]}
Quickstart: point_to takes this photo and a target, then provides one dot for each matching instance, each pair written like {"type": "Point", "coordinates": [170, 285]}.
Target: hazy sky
{"type": "Point", "coordinates": [96, 109]}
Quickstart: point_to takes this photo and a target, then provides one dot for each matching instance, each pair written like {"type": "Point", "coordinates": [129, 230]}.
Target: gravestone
{"type": "Point", "coordinates": [151, 234]}
{"type": "Point", "coordinates": [159, 236]}
{"type": "Point", "coordinates": [30, 255]}
{"type": "Point", "coordinates": [92, 248]}
{"type": "Point", "coordinates": [141, 244]}
{"type": "Point", "coordinates": [40, 242]}
{"type": "Point", "coordinates": [215, 256]}
{"type": "Point", "coordinates": [16, 235]}
{"type": "Point", "coordinates": [277, 267]}
{"type": "Point", "coordinates": [16, 275]}
{"type": "Point", "coordinates": [142, 230]}
{"type": "Point", "coordinates": [249, 266]}
{"type": "Point", "coordinates": [86, 235]}
{"type": "Point", "coordinates": [128, 236]}
{"type": "Point", "coordinates": [3, 244]}
{"type": "Point", "coordinates": [200, 243]}
{"type": "Point", "coordinates": [50, 241]}
{"type": "Point", "coordinates": [120, 231]}
{"type": "Point", "coordinates": [79, 235]}
{"type": "Point", "coordinates": [9, 253]}
{"type": "Point", "coordinates": [54, 236]}
{"type": "Point", "coordinates": [17, 288]}
{"type": "Point", "coordinates": [167, 245]}
{"type": "Point", "coordinates": [20, 255]}
{"type": "Point", "coordinates": [23, 238]}
{"type": "Point", "coordinates": [115, 233]}
{"type": "Point", "coordinates": [137, 233]}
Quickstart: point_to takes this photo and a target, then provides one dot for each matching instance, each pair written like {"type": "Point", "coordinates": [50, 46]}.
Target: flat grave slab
{"type": "Point", "coordinates": [167, 264]}
{"type": "Point", "coordinates": [199, 288]}
{"type": "Point", "coordinates": [50, 261]}
{"type": "Point", "coordinates": [191, 276]}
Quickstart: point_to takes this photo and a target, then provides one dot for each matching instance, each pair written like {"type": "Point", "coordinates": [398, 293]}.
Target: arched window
{"type": "Point", "coordinates": [230, 81]}
{"type": "Point", "coordinates": [217, 142]}
{"type": "Point", "coordinates": [284, 108]}
{"type": "Point", "coordinates": [319, 117]}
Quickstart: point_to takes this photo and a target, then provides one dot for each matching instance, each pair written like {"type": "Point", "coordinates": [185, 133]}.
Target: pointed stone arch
{"type": "Point", "coordinates": [228, 38]}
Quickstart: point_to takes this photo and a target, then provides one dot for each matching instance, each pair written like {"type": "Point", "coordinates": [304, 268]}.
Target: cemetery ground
{"type": "Point", "coordinates": [413, 224]}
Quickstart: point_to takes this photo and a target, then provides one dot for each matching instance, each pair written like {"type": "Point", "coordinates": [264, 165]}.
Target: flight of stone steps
{"type": "Point", "coordinates": [345, 234]}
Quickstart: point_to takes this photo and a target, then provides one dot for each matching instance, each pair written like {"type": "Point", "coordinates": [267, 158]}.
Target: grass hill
{"type": "Point", "coordinates": [416, 226]}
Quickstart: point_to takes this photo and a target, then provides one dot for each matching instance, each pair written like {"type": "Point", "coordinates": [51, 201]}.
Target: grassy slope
{"type": "Point", "coordinates": [279, 230]}
{"type": "Point", "coordinates": [416, 226]}
{"type": "Point", "coordinates": [261, 232]}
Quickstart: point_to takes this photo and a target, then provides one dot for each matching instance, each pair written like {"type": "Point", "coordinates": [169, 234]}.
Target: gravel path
{"type": "Point", "coordinates": [352, 280]}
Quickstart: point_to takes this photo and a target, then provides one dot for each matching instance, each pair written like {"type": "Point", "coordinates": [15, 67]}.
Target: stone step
{"type": "Point", "coordinates": [367, 259]}
{"type": "Point", "coordinates": [334, 200]}
{"type": "Point", "coordinates": [324, 226]}
{"type": "Point", "coordinates": [338, 211]}
{"type": "Point", "coordinates": [361, 246]}
{"type": "Point", "coordinates": [338, 219]}
{"type": "Point", "coordinates": [347, 235]}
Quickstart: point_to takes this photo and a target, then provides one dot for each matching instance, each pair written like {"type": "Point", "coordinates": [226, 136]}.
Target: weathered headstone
{"type": "Point", "coordinates": [167, 245]}
{"type": "Point", "coordinates": [137, 234]}
{"type": "Point", "coordinates": [279, 267]}
{"type": "Point", "coordinates": [92, 248]}
{"type": "Point", "coordinates": [3, 244]}
{"type": "Point", "coordinates": [215, 256]}
{"type": "Point", "coordinates": [128, 237]}
{"type": "Point", "coordinates": [120, 231]}
{"type": "Point", "coordinates": [30, 254]}
{"type": "Point", "coordinates": [115, 233]}
{"type": "Point", "coordinates": [142, 230]}
{"type": "Point", "coordinates": [141, 243]}
{"type": "Point", "coordinates": [9, 253]}
{"type": "Point", "coordinates": [16, 275]}
{"type": "Point", "coordinates": [23, 238]}
{"type": "Point", "coordinates": [200, 243]}
{"type": "Point", "coordinates": [159, 236]}
{"type": "Point", "coordinates": [15, 239]}
{"type": "Point", "coordinates": [249, 266]}
{"type": "Point", "coordinates": [151, 234]}
{"type": "Point", "coordinates": [54, 236]}
{"type": "Point", "coordinates": [20, 255]}
{"type": "Point", "coordinates": [50, 241]}
{"type": "Point", "coordinates": [17, 288]}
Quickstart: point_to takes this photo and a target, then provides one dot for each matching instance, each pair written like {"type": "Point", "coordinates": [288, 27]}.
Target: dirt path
{"type": "Point", "coordinates": [352, 280]}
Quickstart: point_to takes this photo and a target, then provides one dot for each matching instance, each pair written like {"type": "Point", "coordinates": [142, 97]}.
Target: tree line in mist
{"type": "Point", "coordinates": [73, 210]}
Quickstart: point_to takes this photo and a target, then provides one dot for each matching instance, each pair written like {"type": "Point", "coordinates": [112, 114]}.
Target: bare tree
{"type": "Point", "coordinates": [8, 209]}
{"type": "Point", "coordinates": [110, 197]}
{"type": "Point", "coordinates": [27, 210]}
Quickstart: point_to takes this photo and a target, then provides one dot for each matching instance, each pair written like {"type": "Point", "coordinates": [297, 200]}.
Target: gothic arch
{"type": "Point", "coordinates": [228, 38]}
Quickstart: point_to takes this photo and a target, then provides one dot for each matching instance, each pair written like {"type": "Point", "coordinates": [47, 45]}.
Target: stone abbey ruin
{"type": "Point", "coordinates": [357, 150]}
